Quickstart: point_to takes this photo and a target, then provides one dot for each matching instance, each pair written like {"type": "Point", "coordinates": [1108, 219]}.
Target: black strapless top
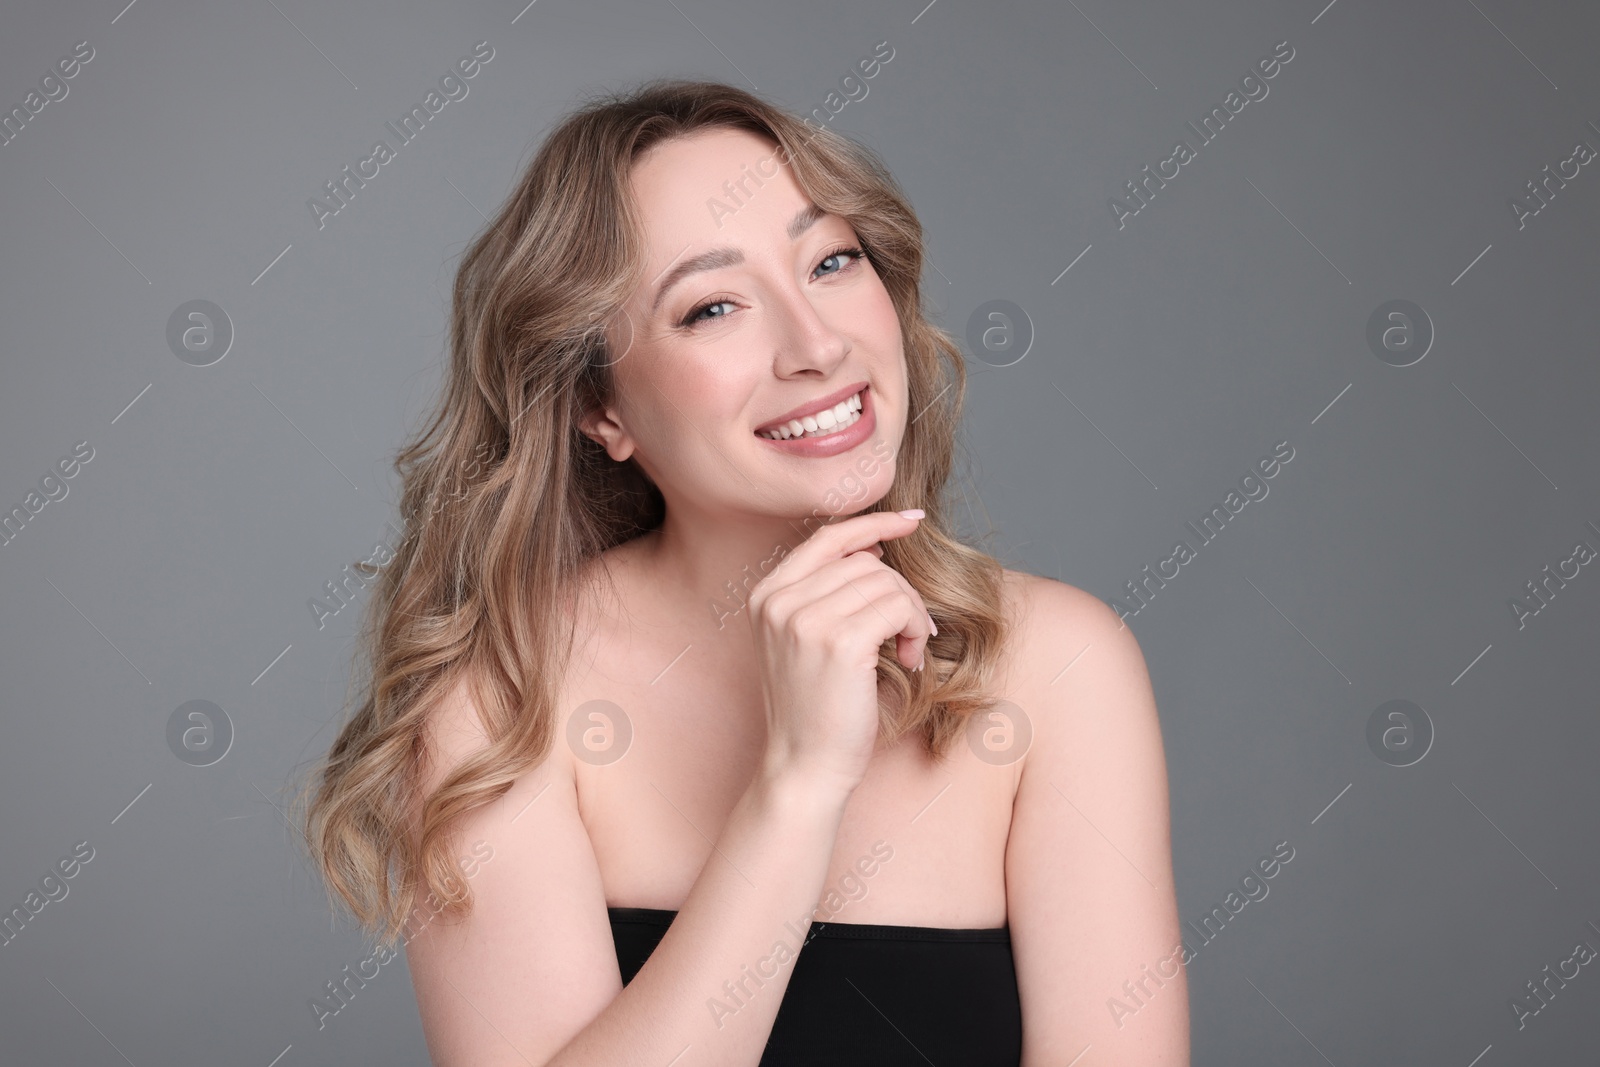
{"type": "Point", "coordinates": [874, 995]}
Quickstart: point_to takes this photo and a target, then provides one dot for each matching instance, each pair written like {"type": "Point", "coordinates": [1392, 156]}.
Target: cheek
{"type": "Point", "coordinates": [687, 389]}
{"type": "Point", "coordinates": [878, 327]}
{"type": "Point", "coordinates": [876, 319]}
{"type": "Point", "coordinates": [885, 337]}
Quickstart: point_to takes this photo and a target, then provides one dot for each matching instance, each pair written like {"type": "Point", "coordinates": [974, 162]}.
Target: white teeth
{"type": "Point", "coordinates": [824, 422]}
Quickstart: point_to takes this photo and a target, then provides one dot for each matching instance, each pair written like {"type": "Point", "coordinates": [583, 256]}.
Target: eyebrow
{"type": "Point", "coordinates": [725, 256]}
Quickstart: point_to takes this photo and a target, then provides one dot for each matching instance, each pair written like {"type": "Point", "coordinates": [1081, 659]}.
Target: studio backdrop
{"type": "Point", "coordinates": [1280, 324]}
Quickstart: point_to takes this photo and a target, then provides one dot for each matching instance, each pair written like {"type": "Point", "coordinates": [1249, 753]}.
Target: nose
{"type": "Point", "coordinates": [804, 341]}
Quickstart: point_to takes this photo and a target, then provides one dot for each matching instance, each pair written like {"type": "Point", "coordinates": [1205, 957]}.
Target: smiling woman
{"type": "Point", "coordinates": [663, 396]}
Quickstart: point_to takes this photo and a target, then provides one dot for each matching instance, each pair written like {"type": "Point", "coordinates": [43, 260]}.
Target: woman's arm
{"type": "Point", "coordinates": [1093, 910]}
{"type": "Point", "coordinates": [531, 976]}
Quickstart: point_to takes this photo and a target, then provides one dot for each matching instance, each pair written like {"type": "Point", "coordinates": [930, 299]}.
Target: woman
{"type": "Point", "coordinates": [678, 647]}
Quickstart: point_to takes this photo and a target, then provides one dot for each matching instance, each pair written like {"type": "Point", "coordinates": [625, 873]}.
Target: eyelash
{"type": "Point", "coordinates": [692, 320]}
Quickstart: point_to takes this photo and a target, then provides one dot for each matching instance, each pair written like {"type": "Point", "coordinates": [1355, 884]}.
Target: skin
{"type": "Point", "coordinates": [790, 326]}
{"type": "Point", "coordinates": [1068, 844]}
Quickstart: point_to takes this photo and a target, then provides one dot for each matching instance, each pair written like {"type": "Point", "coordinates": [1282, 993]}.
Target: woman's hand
{"type": "Point", "coordinates": [819, 619]}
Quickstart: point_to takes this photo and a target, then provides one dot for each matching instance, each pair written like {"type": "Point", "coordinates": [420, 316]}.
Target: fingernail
{"type": "Point", "coordinates": [912, 513]}
{"type": "Point", "coordinates": [933, 624]}
{"type": "Point", "coordinates": [920, 664]}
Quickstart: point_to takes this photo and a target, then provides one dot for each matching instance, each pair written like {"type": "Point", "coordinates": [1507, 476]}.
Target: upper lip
{"type": "Point", "coordinates": [814, 406]}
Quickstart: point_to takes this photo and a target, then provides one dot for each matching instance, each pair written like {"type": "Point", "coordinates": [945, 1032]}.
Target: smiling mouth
{"type": "Point", "coordinates": [823, 423]}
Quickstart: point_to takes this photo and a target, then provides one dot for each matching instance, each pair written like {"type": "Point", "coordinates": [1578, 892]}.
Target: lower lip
{"type": "Point", "coordinates": [833, 443]}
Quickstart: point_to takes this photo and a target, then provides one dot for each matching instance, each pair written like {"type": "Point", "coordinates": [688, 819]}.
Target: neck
{"type": "Point", "coordinates": [704, 567]}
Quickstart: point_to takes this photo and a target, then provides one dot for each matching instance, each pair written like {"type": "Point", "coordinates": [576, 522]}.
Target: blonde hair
{"type": "Point", "coordinates": [505, 499]}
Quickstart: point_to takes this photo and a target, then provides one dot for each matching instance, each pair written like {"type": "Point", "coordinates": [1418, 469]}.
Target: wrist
{"type": "Point", "coordinates": [793, 791]}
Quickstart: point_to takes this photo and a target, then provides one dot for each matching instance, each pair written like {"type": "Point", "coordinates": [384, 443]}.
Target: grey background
{"type": "Point", "coordinates": [1228, 315]}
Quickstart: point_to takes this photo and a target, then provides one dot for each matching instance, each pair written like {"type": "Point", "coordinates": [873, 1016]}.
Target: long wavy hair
{"type": "Point", "coordinates": [504, 500]}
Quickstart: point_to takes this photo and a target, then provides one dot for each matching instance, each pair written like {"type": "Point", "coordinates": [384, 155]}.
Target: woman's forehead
{"type": "Point", "coordinates": [715, 199]}
{"type": "Point", "coordinates": [701, 183]}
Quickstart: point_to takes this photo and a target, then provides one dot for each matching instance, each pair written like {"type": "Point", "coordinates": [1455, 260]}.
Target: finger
{"type": "Point", "coordinates": [866, 574]}
{"type": "Point", "coordinates": [871, 621]}
{"type": "Point", "coordinates": [787, 591]}
{"type": "Point", "coordinates": [839, 539]}
{"type": "Point", "coordinates": [911, 651]}
{"type": "Point", "coordinates": [906, 613]}
{"type": "Point", "coordinates": [907, 652]}
{"type": "Point", "coordinates": [910, 640]}
{"type": "Point", "coordinates": [910, 646]}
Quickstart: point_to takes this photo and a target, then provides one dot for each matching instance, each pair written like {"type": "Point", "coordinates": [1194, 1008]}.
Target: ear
{"type": "Point", "coordinates": [601, 426]}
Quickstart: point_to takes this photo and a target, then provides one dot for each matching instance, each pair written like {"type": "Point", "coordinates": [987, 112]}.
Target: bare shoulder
{"type": "Point", "coordinates": [1089, 856]}
{"type": "Point", "coordinates": [1053, 623]}
{"type": "Point", "coordinates": [537, 931]}
{"type": "Point", "coordinates": [454, 733]}
{"type": "Point", "coordinates": [604, 588]}
{"type": "Point", "coordinates": [1077, 671]}
{"type": "Point", "coordinates": [1033, 591]}
{"type": "Point", "coordinates": [455, 730]}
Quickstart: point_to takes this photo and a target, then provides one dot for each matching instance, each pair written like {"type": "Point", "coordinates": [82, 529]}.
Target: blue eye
{"type": "Point", "coordinates": [853, 253]}
{"type": "Point", "coordinates": [697, 316]}
{"type": "Point", "coordinates": [694, 316]}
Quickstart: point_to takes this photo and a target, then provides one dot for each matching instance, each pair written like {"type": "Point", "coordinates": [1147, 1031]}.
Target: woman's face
{"type": "Point", "coordinates": [752, 307]}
